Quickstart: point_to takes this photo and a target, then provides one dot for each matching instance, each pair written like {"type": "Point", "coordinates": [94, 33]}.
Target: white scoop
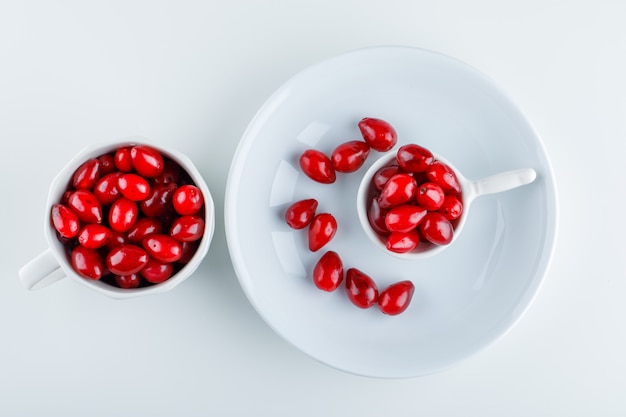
{"type": "Point", "coordinates": [470, 190]}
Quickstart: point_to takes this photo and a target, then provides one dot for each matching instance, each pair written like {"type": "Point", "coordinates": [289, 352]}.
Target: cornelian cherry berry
{"type": "Point", "coordinates": [300, 214]}
{"type": "Point", "coordinates": [361, 288]}
{"type": "Point", "coordinates": [187, 199]}
{"type": "Point", "coordinates": [350, 156]}
{"type": "Point", "coordinates": [396, 298]}
{"type": "Point", "coordinates": [414, 158]}
{"type": "Point", "coordinates": [378, 134]}
{"type": "Point", "coordinates": [328, 272]}
{"type": "Point", "coordinates": [321, 230]}
{"type": "Point", "coordinates": [317, 166]}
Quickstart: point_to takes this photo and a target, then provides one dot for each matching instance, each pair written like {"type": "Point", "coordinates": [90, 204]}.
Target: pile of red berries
{"type": "Point", "coordinates": [131, 218]}
{"type": "Point", "coordinates": [415, 198]}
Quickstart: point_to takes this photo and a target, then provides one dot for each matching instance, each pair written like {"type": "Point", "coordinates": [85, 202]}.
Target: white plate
{"type": "Point", "coordinates": [466, 297]}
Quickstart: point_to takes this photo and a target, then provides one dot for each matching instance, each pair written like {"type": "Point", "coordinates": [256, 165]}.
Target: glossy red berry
{"type": "Point", "coordinates": [106, 190]}
{"type": "Point", "coordinates": [163, 247]}
{"type": "Point", "coordinates": [328, 272]}
{"type": "Point", "coordinates": [321, 230]}
{"type": "Point", "coordinates": [376, 217]}
{"type": "Point", "coordinates": [87, 263]}
{"type": "Point", "coordinates": [86, 175]}
{"type": "Point", "coordinates": [123, 214]}
{"type": "Point", "coordinates": [300, 214]}
{"type": "Point", "coordinates": [430, 196]}
{"type": "Point", "coordinates": [444, 176]}
{"type": "Point", "coordinates": [317, 166]}
{"type": "Point", "coordinates": [133, 186]}
{"type": "Point", "coordinates": [128, 281]}
{"type": "Point", "coordinates": [147, 161]}
{"type": "Point", "coordinates": [414, 158]}
{"type": "Point", "coordinates": [94, 236]}
{"type": "Point", "coordinates": [187, 228]}
{"type": "Point", "coordinates": [64, 220]}
{"type": "Point", "coordinates": [383, 175]}
{"type": "Point", "coordinates": [143, 227]}
{"type": "Point", "coordinates": [436, 228]}
{"type": "Point", "coordinates": [159, 201]}
{"type": "Point", "coordinates": [349, 156]}
{"type": "Point", "coordinates": [107, 164]}
{"type": "Point", "coordinates": [396, 298]}
{"type": "Point", "coordinates": [400, 189]}
{"type": "Point", "coordinates": [86, 206]}
{"type": "Point", "coordinates": [126, 259]}
{"type": "Point", "coordinates": [122, 159]}
{"type": "Point", "coordinates": [378, 134]}
{"type": "Point", "coordinates": [403, 242]}
{"type": "Point", "coordinates": [404, 218]}
{"type": "Point", "coordinates": [361, 288]}
{"type": "Point", "coordinates": [452, 207]}
{"type": "Point", "coordinates": [156, 271]}
{"type": "Point", "coordinates": [187, 199]}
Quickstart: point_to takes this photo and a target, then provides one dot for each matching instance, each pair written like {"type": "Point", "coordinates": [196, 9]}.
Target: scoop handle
{"type": "Point", "coordinates": [503, 181]}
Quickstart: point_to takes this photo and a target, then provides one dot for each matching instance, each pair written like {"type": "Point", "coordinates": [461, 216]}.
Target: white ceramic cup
{"type": "Point", "coordinates": [470, 190]}
{"type": "Point", "coordinates": [53, 264]}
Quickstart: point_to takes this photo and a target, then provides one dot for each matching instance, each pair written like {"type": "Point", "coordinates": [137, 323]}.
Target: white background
{"type": "Point", "coordinates": [192, 74]}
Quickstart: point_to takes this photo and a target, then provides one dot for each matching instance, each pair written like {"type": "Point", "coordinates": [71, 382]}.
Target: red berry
{"type": "Point", "coordinates": [86, 206]}
{"type": "Point", "coordinates": [321, 230]}
{"type": "Point", "coordinates": [414, 158]}
{"type": "Point", "coordinates": [317, 166]}
{"type": "Point", "coordinates": [147, 161]}
{"type": "Point", "coordinates": [86, 175]}
{"type": "Point", "coordinates": [106, 189]}
{"type": "Point", "coordinates": [87, 263]}
{"type": "Point", "coordinates": [123, 214]}
{"type": "Point", "coordinates": [64, 220]}
{"type": "Point", "coordinates": [170, 173]}
{"type": "Point", "coordinates": [128, 281]}
{"type": "Point", "coordinates": [187, 228]}
{"type": "Point", "coordinates": [143, 227]}
{"type": "Point", "coordinates": [107, 164]}
{"type": "Point", "coordinates": [404, 218]}
{"type": "Point", "coordinates": [94, 236]}
{"type": "Point", "coordinates": [159, 201]}
{"type": "Point", "coordinates": [376, 217]}
{"type": "Point", "coordinates": [396, 298]}
{"type": "Point", "coordinates": [328, 272]}
{"type": "Point", "coordinates": [361, 289]}
{"type": "Point", "coordinates": [378, 134]}
{"type": "Point", "coordinates": [398, 190]}
{"type": "Point", "coordinates": [300, 214]}
{"type": "Point", "coordinates": [156, 271]}
{"type": "Point", "coordinates": [187, 199]}
{"type": "Point", "coordinates": [452, 207]}
{"type": "Point", "coordinates": [126, 259]}
{"type": "Point", "coordinates": [133, 186]}
{"type": "Point", "coordinates": [163, 247]}
{"type": "Point", "coordinates": [436, 228]}
{"type": "Point", "coordinates": [123, 160]}
{"type": "Point", "coordinates": [383, 175]}
{"type": "Point", "coordinates": [403, 242]}
{"type": "Point", "coordinates": [430, 196]}
{"type": "Point", "coordinates": [444, 176]}
{"type": "Point", "coordinates": [350, 156]}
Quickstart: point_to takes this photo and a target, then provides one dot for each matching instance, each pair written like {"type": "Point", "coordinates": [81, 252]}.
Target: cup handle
{"type": "Point", "coordinates": [41, 271]}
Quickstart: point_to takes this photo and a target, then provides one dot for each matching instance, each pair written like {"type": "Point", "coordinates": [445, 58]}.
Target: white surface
{"type": "Point", "coordinates": [467, 296]}
{"type": "Point", "coordinates": [192, 75]}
